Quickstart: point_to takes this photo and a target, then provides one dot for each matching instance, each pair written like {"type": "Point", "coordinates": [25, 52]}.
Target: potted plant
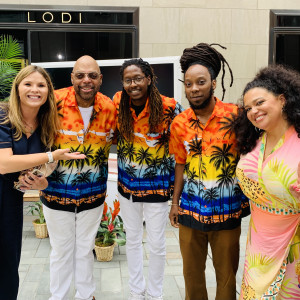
{"type": "Point", "coordinates": [110, 232]}
{"type": "Point", "coordinates": [39, 224]}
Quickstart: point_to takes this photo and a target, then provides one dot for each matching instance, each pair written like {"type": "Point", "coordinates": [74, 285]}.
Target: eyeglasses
{"type": "Point", "coordinates": [91, 75]}
{"type": "Point", "coordinates": [136, 80]}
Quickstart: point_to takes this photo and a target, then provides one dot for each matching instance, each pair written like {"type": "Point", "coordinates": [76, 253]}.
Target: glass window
{"type": "Point", "coordinates": [288, 50]}
{"type": "Point", "coordinates": [50, 46]}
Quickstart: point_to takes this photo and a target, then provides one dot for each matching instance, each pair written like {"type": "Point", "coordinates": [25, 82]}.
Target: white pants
{"type": "Point", "coordinates": [72, 238]}
{"type": "Point", "coordinates": [155, 215]}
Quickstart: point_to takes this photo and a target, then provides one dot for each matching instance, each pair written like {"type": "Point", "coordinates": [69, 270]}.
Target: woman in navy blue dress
{"type": "Point", "coordinates": [28, 126]}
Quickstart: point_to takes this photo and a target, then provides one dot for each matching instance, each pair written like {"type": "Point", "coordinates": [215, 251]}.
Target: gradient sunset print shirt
{"type": "Point", "coordinates": [81, 184]}
{"type": "Point", "coordinates": [145, 168]}
{"type": "Point", "coordinates": [211, 198]}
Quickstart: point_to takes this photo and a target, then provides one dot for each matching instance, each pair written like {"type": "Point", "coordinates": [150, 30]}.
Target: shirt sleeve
{"type": "Point", "coordinates": [176, 144]}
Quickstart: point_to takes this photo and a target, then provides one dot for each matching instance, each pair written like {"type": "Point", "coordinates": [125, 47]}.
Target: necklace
{"type": "Point", "coordinates": [31, 128]}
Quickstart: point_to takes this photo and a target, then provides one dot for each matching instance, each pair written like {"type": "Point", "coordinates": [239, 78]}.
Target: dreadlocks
{"type": "Point", "coordinates": [155, 101]}
{"type": "Point", "coordinates": [207, 56]}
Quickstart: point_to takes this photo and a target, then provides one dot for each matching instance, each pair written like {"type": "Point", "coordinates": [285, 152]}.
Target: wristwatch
{"type": "Point", "coordinates": [50, 157]}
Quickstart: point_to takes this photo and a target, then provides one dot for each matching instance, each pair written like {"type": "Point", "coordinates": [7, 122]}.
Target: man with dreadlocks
{"type": "Point", "coordinates": [145, 172]}
{"type": "Point", "coordinates": [212, 203]}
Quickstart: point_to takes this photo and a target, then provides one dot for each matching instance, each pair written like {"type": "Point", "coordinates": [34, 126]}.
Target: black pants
{"type": "Point", "coordinates": [11, 225]}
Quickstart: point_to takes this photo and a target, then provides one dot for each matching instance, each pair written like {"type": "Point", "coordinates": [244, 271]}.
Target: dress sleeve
{"type": "Point", "coordinates": [5, 136]}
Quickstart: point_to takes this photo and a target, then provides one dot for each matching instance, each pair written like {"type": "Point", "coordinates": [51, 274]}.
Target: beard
{"type": "Point", "coordinates": [86, 96]}
{"type": "Point", "coordinates": [205, 103]}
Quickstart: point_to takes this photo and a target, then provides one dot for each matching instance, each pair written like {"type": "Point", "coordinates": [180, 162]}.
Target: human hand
{"type": "Point", "coordinates": [173, 216]}
{"type": "Point", "coordinates": [65, 154]}
{"type": "Point", "coordinates": [295, 187]}
{"type": "Point", "coordinates": [33, 181]}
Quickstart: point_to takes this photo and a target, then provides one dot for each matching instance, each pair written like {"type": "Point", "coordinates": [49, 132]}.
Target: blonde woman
{"type": "Point", "coordinates": [28, 126]}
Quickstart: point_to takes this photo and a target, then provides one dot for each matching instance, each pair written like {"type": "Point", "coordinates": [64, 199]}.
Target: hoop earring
{"type": "Point", "coordinates": [257, 129]}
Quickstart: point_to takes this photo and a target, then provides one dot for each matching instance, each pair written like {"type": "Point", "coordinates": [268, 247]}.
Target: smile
{"type": "Point", "coordinates": [259, 117]}
{"type": "Point", "coordinates": [34, 97]}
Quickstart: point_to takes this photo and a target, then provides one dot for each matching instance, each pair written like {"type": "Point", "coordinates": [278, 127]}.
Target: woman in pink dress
{"type": "Point", "coordinates": [268, 132]}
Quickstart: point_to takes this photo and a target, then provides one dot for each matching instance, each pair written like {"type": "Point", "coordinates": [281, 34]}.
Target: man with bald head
{"type": "Point", "coordinates": [73, 201]}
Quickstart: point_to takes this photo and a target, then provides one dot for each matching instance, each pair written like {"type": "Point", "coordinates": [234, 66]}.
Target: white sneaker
{"type": "Point", "coordinates": [135, 296]}
{"type": "Point", "coordinates": [149, 297]}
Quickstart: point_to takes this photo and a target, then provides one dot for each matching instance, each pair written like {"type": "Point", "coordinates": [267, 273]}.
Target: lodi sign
{"type": "Point", "coordinates": [54, 17]}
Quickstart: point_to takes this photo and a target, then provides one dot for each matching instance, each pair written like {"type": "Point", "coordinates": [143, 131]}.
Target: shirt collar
{"type": "Point", "coordinates": [217, 112]}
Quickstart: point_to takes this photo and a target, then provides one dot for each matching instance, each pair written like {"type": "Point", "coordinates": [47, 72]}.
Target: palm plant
{"type": "Point", "coordinates": [10, 55]}
{"type": "Point", "coordinates": [36, 209]}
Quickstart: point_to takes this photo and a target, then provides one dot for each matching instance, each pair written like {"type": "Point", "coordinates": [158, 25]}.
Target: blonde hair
{"type": "Point", "coordinates": [47, 115]}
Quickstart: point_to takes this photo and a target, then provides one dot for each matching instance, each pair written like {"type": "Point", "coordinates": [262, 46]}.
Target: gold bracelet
{"type": "Point", "coordinates": [175, 204]}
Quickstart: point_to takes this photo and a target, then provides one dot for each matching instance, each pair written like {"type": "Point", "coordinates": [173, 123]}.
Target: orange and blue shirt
{"type": "Point", "coordinates": [211, 198]}
{"type": "Point", "coordinates": [145, 168]}
{"type": "Point", "coordinates": [81, 184]}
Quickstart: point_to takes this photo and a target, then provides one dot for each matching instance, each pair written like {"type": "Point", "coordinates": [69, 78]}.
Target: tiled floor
{"type": "Point", "coordinates": [111, 277]}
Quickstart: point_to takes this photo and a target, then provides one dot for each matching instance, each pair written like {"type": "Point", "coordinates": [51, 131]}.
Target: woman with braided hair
{"type": "Point", "coordinates": [212, 203]}
{"type": "Point", "coordinates": [145, 172]}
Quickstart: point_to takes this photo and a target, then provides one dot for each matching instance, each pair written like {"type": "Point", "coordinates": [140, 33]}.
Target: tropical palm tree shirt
{"type": "Point", "coordinates": [145, 168]}
{"type": "Point", "coordinates": [81, 184]}
{"type": "Point", "coordinates": [211, 198]}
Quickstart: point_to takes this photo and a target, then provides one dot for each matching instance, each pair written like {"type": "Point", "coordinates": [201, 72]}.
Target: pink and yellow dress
{"type": "Point", "coordinates": [272, 261]}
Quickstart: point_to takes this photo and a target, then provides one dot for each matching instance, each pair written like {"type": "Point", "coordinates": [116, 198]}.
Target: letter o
{"type": "Point", "coordinates": [51, 17]}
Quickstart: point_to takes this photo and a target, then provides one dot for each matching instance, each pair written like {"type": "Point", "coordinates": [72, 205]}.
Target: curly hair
{"type": "Point", "coordinates": [155, 101]}
{"type": "Point", "coordinates": [47, 115]}
{"type": "Point", "coordinates": [278, 80]}
{"type": "Point", "coordinates": [207, 56]}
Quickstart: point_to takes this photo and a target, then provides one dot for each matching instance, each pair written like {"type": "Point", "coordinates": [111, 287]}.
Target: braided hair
{"type": "Point", "coordinates": [207, 56]}
{"type": "Point", "coordinates": [155, 101]}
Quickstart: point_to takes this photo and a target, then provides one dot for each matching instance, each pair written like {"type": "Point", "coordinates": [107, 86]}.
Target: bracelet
{"type": "Point", "coordinates": [175, 204]}
{"type": "Point", "coordinates": [50, 157]}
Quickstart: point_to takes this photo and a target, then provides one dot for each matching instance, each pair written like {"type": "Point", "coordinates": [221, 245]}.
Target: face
{"type": "Point", "coordinates": [199, 87]}
{"type": "Point", "coordinates": [136, 84]}
{"type": "Point", "coordinates": [33, 91]}
{"type": "Point", "coordinates": [86, 80]}
{"type": "Point", "coordinates": [264, 109]}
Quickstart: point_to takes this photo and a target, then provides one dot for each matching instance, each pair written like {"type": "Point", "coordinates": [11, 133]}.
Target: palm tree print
{"type": "Point", "coordinates": [195, 146]}
{"type": "Point", "coordinates": [83, 177]}
{"type": "Point", "coordinates": [163, 141]}
{"type": "Point", "coordinates": [167, 166]}
{"type": "Point", "coordinates": [58, 176]}
{"type": "Point", "coordinates": [143, 157]}
{"type": "Point", "coordinates": [129, 152]}
{"type": "Point", "coordinates": [225, 180]}
{"type": "Point", "coordinates": [153, 169]}
{"type": "Point", "coordinates": [131, 171]}
{"type": "Point", "coordinates": [72, 162]}
{"type": "Point", "coordinates": [100, 162]}
{"type": "Point", "coordinates": [196, 124]}
{"type": "Point", "coordinates": [210, 196]}
{"type": "Point", "coordinates": [221, 156]}
{"type": "Point", "coordinates": [227, 125]}
{"type": "Point", "coordinates": [88, 152]}
{"type": "Point", "coordinates": [169, 115]}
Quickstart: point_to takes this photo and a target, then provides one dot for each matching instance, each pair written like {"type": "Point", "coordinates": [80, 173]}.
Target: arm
{"type": "Point", "coordinates": [178, 186]}
{"type": "Point", "coordinates": [10, 163]}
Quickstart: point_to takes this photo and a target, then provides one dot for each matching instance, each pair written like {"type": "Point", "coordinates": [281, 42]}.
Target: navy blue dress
{"type": "Point", "coordinates": [11, 212]}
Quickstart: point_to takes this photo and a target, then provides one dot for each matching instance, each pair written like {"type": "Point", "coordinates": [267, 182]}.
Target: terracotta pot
{"type": "Point", "coordinates": [104, 253]}
{"type": "Point", "coordinates": [41, 231]}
